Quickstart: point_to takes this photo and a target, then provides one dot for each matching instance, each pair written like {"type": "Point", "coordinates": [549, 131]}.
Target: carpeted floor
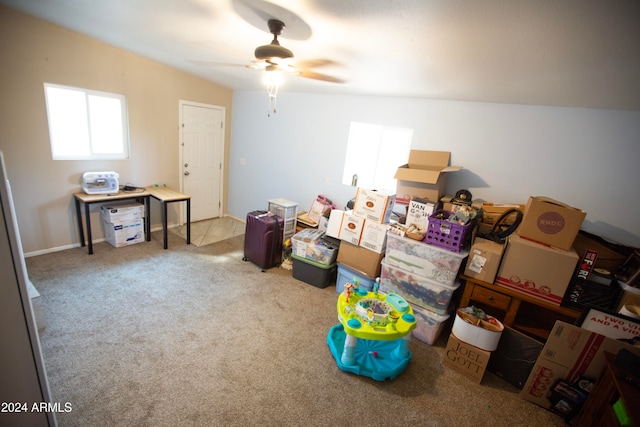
{"type": "Point", "coordinates": [211, 230]}
{"type": "Point", "coordinates": [194, 336]}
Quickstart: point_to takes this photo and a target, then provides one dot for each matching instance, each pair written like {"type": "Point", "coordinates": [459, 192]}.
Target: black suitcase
{"type": "Point", "coordinates": [263, 239]}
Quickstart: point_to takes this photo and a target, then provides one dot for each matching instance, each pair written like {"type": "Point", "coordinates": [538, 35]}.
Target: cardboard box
{"type": "Point", "coordinates": [360, 259]}
{"type": "Point", "coordinates": [124, 233]}
{"type": "Point", "coordinates": [351, 228]}
{"type": "Point", "coordinates": [570, 353]}
{"type": "Point", "coordinates": [551, 222]}
{"type": "Point", "coordinates": [334, 223]}
{"type": "Point", "coordinates": [418, 212]}
{"type": "Point", "coordinates": [484, 260]}
{"type": "Point", "coordinates": [466, 359]}
{"type": "Point", "coordinates": [536, 270]}
{"type": "Point", "coordinates": [492, 211]}
{"type": "Point", "coordinates": [118, 212]}
{"type": "Point", "coordinates": [374, 205]}
{"type": "Point", "coordinates": [611, 256]}
{"type": "Point", "coordinates": [374, 236]}
{"type": "Point", "coordinates": [424, 176]}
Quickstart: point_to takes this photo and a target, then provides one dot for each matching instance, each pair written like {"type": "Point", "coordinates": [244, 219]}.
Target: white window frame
{"type": "Point", "coordinates": [83, 132]}
{"type": "Point", "coordinates": [374, 152]}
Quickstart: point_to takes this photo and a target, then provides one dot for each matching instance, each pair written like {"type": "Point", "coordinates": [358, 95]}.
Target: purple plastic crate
{"type": "Point", "coordinates": [446, 234]}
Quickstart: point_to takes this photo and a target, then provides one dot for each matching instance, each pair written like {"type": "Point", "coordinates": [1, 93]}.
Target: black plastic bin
{"type": "Point", "coordinates": [314, 273]}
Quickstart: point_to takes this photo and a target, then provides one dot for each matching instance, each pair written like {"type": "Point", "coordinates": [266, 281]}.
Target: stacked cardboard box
{"type": "Point", "coordinates": [123, 223]}
{"type": "Point", "coordinates": [471, 343]}
{"type": "Point", "coordinates": [539, 260]}
{"type": "Point", "coordinates": [570, 354]}
{"type": "Point", "coordinates": [362, 233]}
{"type": "Point", "coordinates": [424, 176]}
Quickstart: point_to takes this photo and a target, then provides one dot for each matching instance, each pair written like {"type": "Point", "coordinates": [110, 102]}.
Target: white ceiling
{"type": "Point", "coordinates": [578, 53]}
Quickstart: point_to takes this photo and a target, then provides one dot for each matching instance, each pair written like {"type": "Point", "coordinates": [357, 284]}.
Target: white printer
{"type": "Point", "coordinates": [100, 182]}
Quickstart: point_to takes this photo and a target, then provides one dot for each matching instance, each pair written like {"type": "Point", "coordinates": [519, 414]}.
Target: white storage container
{"type": "Point", "coordinates": [416, 289]}
{"type": "Point", "coordinates": [429, 324]}
{"type": "Point", "coordinates": [118, 212]}
{"type": "Point", "coordinates": [431, 262]}
{"type": "Point", "coordinates": [124, 233]}
{"type": "Point", "coordinates": [288, 211]}
{"type": "Point", "coordinates": [484, 334]}
{"type": "Point", "coordinates": [309, 244]}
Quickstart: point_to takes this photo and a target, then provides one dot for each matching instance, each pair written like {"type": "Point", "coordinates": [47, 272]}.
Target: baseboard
{"type": "Point", "coordinates": [77, 245]}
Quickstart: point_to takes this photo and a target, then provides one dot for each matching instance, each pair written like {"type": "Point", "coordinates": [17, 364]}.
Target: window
{"type": "Point", "coordinates": [374, 153]}
{"type": "Point", "coordinates": [86, 124]}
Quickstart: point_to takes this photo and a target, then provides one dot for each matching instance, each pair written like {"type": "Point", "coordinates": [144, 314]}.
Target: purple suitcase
{"type": "Point", "coordinates": [263, 239]}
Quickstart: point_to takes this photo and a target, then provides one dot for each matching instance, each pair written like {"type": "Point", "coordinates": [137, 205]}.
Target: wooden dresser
{"type": "Point", "coordinates": [519, 311]}
{"type": "Point", "coordinates": [611, 390]}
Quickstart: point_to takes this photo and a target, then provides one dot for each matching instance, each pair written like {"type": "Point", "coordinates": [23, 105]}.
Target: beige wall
{"type": "Point", "coordinates": [33, 52]}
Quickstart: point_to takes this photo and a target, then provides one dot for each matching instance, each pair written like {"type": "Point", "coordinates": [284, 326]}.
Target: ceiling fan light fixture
{"type": "Point", "coordinates": [273, 79]}
{"type": "Point", "coordinates": [272, 51]}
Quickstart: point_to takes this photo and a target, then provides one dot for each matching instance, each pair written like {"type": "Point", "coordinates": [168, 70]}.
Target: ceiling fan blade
{"type": "Point", "coordinates": [205, 63]}
{"type": "Point", "coordinates": [315, 63]}
{"type": "Point", "coordinates": [318, 76]}
{"type": "Point", "coordinates": [257, 65]}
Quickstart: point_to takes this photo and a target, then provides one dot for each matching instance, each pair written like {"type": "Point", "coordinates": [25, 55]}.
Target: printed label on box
{"type": "Point", "coordinates": [419, 212]}
{"type": "Point", "coordinates": [466, 359]}
{"type": "Point", "coordinates": [477, 262]}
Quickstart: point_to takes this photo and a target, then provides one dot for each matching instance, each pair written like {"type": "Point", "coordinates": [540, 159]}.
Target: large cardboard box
{"type": "Point", "coordinates": [537, 270]}
{"type": "Point", "coordinates": [466, 359]}
{"type": "Point", "coordinates": [374, 236]}
{"type": "Point", "coordinates": [124, 233]}
{"type": "Point", "coordinates": [118, 212]}
{"type": "Point", "coordinates": [551, 222]}
{"type": "Point", "coordinates": [484, 260]}
{"type": "Point", "coordinates": [351, 228]}
{"type": "Point", "coordinates": [334, 223]}
{"type": "Point", "coordinates": [374, 205]}
{"type": "Point", "coordinates": [360, 259]}
{"type": "Point", "coordinates": [424, 176]}
{"type": "Point", "coordinates": [570, 353]}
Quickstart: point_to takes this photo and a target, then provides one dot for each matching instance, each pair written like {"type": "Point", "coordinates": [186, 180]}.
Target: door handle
{"type": "Point", "coordinates": [186, 165]}
{"type": "Point", "coordinates": [186, 173]}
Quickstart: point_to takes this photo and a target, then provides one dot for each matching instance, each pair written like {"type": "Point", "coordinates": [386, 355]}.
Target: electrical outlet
{"type": "Point", "coordinates": [243, 161]}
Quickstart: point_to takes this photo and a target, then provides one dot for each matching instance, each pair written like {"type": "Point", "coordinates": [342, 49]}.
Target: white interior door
{"type": "Point", "coordinates": [201, 161]}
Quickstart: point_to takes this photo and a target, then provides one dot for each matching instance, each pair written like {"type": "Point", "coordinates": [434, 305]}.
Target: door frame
{"type": "Point", "coordinates": [181, 104]}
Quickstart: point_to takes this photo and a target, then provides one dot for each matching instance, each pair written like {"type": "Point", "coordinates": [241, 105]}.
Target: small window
{"type": "Point", "coordinates": [374, 153]}
{"type": "Point", "coordinates": [86, 124]}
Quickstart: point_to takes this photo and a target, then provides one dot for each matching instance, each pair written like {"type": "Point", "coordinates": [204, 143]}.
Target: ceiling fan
{"type": "Point", "coordinates": [275, 57]}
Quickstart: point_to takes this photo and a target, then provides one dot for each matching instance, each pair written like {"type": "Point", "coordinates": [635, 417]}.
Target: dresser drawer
{"type": "Point", "coordinates": [491, 298]}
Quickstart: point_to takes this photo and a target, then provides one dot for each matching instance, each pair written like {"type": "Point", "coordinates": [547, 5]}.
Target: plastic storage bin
{"type": "Point", "coordinates": [287, 210]}
{"type": "Point", "coordinates": [313, 273]}
{"type": "Point", "coordinates": [446, 234]}
{"type": "Point", "coordinates": [429, 324]}
{"type": "Point", "coordinates": [430, 262]}
{"type": "Point", "coordinates": [347, 275]}
{"type": "Point", "coordinates": [309, 244]}
{"type": "Point", "coordinates": [416, 289]}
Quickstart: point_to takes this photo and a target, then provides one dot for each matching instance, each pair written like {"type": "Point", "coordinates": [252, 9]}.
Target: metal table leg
{"type": "Point", "coordinates": [87, 218]}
